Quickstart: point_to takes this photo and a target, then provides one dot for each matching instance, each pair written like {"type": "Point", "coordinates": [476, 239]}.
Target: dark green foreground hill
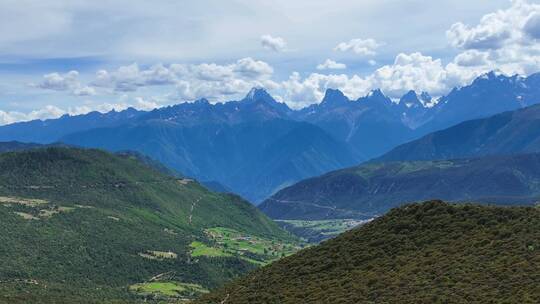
{"type": "Point", "coordinates": [432, 252]}
{"type": "Point", "coordinates": [86, 226]}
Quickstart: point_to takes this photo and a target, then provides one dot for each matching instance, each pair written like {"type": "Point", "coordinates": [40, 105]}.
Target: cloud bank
{"type": "Point", "coordinates": [507, 40]}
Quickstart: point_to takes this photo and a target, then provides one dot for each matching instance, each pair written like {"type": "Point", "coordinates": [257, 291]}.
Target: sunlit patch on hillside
{"type": "Point", "coordinates": [168, 290]}
{"type": "Point", "coordinates": [33, 209]}
{"type": "Point", "coordinates": [29, 202]}
{"type": "Point", "coordinates": [226, 242]}
{"type": "Point", "coordinates": [158, 255]}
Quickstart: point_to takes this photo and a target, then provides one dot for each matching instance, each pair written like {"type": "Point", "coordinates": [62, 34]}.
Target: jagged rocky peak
{"type": "Point", "coordinates": [260, 98]}
{"type": "Point", "coordinates": [410, 96]}
{"type": "Point", "coordinates": [334, 97]}
{"type": "Point", "coordinates": [258, 94]}
{"type": "Point", "coordinates": [425, 97]}
{"type": "Point", "coordinates": [201, 101]}
{"type": "Point", "coordinates": [495, 76]}
{"type": "Point", "coordinates": [198, 104]}
{"type": "Point", "coordinates": [412, 99]}
{"type": "Point", "coordinates": [376, 96]}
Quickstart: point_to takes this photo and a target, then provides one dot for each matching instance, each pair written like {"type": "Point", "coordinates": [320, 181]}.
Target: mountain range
{"type": "Point", "coordinates": [235, 143]}
{"type": "Point", "coordinates": [432, 252]}
{"type": "Point", "coordinates": [505, 133]}
{"type": "Point", "coordinates": [51, 130]}
{"type": "Point", "coordinates": [493, 159]}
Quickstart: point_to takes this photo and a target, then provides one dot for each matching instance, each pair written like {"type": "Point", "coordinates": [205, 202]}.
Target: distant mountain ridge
{"type": "Point", "coordinates": [225, 142]}
{"type": "Point", "coordinates": [374, 188]}
{"type": "Point", "coordinates": [232, 154]}
{"type": "Point", "coordinates": [370, 124]}
{"type": "Point", "coordinates": [487, 95]}
{"type": "Point", "coordinates": [51, 130]}
{"type": "Point", "coordinates": [505, 133]}
{"type": "Point", "coordinates": [493, 159]}
{"type": "Point", "coordinates": [16, 146]}
{"type": "Point", "coordinates": [258, 105]}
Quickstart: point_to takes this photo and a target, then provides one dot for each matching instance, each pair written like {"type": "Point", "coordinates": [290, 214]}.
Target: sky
{"type": "Point", "coordinates": [71, 57]}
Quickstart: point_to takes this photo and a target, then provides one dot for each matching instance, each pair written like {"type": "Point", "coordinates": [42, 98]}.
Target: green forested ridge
{"type": "Point", "coordinates": [8, 146]}
{"type": "Point", "coordinates": [374, 188]}
{"type": "Point", "coordinates": [82, 226]}
{"type": "Point", "coordinates": [431, 252]}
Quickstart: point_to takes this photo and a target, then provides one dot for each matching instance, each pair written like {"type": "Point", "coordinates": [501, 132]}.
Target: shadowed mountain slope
{"type": "Point", "coordinates": [506, 133]}
{"type": "Point", "coordinates": [373, 188]}
{"type": "Point", "coordinates": [254, 159]}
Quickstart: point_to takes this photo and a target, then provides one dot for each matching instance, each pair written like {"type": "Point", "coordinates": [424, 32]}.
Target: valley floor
{"type": "Point", "coordinates": [319, 230]}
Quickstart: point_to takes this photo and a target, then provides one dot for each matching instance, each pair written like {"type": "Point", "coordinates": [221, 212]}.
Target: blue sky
{"type": "Point", "coordinates": [60, 57]}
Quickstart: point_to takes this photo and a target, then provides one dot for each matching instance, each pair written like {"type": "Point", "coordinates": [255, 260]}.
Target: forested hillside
{"type": "Point", "coordinates": [86, 226]}
{"type": "Point", "coordinates": [432, 252]}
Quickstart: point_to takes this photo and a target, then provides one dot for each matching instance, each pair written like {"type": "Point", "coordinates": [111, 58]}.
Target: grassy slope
{"type": "Point", "coordinates": [119, 209]}
{"type": "Point", "coordinates": [422, 253]}
{"type": "Point", "coordinates": [229, 242]}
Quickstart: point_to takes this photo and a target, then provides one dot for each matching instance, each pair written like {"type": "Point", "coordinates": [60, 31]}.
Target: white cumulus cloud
{"type": "Point", "coordinates": [506, 40]}
{"type": "Point", "coordinates": [330, 64]}
{"type": "Point", "coordinates": [276, 44]}
{"type": "Point", "coordinates": [250, 68]}
{"type": "Point", "coordinates": [49, 111]}
{"type": "Point", "coordinates": [145, 104]}
{"type": "Point", "coordinates": [472, 58]}
{"type": "Point", "coordinates": [65, 82]}
{"type": "Point", "coordinates": [364, 47]}
{"type": "Point", "coordinates": [413, 71]}
{"type": "Point", "coordinates": [532, 26]}
{"type": "Point", "coordinates": [192, 81]}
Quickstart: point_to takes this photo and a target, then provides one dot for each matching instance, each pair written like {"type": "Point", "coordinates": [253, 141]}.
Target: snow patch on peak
{"type": "Point", "coordinates": [255, 92]}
